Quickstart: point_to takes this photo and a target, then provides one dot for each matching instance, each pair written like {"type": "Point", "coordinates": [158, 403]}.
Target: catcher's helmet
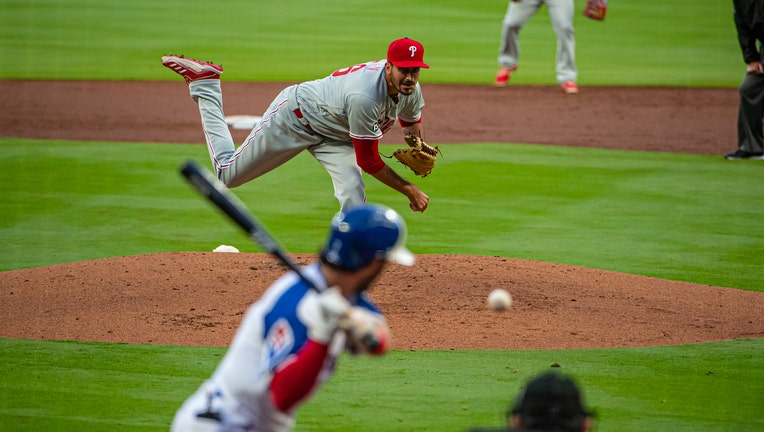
{"type": "Point", "coordinates": [365, 233]}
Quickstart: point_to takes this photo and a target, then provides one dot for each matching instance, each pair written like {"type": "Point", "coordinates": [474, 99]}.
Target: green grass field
{"type": "Point", "coordinates": [677, 43]}
{"type": "Point", "coordinates": [683, 217]}
{"type": "Point", "coordinates": [73, 201]}
{"type": "Point", "coordinates": [138, 387]}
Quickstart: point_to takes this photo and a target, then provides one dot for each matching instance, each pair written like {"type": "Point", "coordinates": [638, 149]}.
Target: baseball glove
{"type": "Point", "coordinates": [595, 9]}
{"type": "Point", "coordinates": [420, 157]}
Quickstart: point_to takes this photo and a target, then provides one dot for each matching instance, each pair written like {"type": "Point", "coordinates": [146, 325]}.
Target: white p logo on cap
{"type": "Point", "coordinates": [406, 53]}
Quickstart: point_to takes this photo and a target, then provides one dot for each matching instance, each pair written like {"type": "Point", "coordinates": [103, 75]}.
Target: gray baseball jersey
{"type": "Point", "coordinates": [321, 116]}
{"type": "Point", "coordinates": [353, 103]}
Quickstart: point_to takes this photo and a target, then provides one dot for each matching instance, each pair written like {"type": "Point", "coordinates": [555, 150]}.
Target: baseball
{"type": "Point", "coordinates": [499, 299]}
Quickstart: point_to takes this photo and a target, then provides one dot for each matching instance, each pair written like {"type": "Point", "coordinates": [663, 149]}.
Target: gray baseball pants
{"type": "Point", "coordinates": [561, 15]}
{"type": "Point", "coordinates": [274, 140]}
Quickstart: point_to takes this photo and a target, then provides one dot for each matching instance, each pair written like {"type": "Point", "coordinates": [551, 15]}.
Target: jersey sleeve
{"type": "Point", "coordinates": [367, 155]}
{"type": "Point", "coordinates": [297, 366]}
{"type": "Point", "coordinates": [296, 378]}
{"type": "Point", "coordinates": [746, 36]}
{"type": "Point", "coordinates": [404, 123]}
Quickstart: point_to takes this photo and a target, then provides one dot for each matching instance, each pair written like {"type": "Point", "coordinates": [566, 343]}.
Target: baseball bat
{"type": "Point", "coordinates": [213, 189]}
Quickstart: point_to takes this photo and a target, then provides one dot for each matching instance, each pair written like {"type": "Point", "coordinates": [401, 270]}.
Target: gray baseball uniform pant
{"type": "Point", "coordinates": [274, 140]}
{"type": "Point", "coordinates": [749, 124]}
{"type": "Point", "coordinates": [561, 15]}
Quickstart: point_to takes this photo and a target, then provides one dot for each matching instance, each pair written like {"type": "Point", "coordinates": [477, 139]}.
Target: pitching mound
{"type": "Point", "coordinates": [199, 299]}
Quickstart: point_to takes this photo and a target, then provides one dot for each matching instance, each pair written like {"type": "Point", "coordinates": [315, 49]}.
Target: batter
{"type": "Point", "coordinates": [339, 119]}
{"type": "Point", "coordinates": [290, 339]}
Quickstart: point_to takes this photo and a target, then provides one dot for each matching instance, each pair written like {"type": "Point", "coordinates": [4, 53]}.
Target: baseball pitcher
{"type": "Point", "coordinates": [339, 119]}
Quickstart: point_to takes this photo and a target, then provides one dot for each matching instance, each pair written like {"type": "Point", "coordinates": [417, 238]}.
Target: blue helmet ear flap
{"type": "Point", "coordinates": [365, 233]}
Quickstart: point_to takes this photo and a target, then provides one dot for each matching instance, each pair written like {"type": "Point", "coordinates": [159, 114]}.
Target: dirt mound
{"type": "Point", "coordinates": [199, 299]}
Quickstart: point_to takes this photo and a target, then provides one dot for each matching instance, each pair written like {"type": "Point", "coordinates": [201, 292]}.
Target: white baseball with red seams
{"type": "Point", "coordinates": [499, 299]}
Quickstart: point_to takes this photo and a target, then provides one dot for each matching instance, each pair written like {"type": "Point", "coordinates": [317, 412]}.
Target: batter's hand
{"type": "Point", "coordinates": [366, 332]}
{"type": "Point", "coordinates": [332, 308]}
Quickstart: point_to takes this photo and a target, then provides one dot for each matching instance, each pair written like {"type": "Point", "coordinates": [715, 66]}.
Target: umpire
{"type": "Point", "coordinates": [749, 21]}
{"type": "Point", "coordinates": [550, 402]}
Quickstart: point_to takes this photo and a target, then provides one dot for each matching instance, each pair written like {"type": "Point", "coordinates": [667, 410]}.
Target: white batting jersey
{"type": "Point", "coordinates": [353, 103]}
{"type": "Point", "coordinates": [273, 330]}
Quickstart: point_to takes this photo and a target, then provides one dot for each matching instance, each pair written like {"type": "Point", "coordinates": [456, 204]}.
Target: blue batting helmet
{"type": "Point", "coordinates": [365, 233]}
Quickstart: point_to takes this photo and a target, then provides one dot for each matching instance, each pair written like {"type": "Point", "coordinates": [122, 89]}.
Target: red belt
{"type": "Point", "coordinates": [304, 122]}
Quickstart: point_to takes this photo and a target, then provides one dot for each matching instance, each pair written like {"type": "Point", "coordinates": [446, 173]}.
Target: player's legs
{"type": "Point", "coordinates": [275, 139]}
{"type": "Point", "coordinates": [750, 112]}
{"type": "Point", "coordinates": [518, 13]}
{"type": "Point", "coordinates": [208, 410]}
{"type": "Point", "coordinates": [209, 97]}
{"type": "Point", "coordinates": [561, 15]}
{"type": "Point", "coordinates": [186, 419]}
{"type": "Point", "coordinates": [339, 161]}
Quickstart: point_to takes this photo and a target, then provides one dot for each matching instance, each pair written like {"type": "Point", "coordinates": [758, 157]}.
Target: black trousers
{"type": "Point", "coordinates": [750, 130]}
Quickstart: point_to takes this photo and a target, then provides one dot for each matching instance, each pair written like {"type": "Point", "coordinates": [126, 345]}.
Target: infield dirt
{"type": "Point", "coordinates": [199, 298]}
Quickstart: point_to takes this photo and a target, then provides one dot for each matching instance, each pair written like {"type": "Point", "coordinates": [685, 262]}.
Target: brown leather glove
{"type": "Point", "coordinates": [420, 157]}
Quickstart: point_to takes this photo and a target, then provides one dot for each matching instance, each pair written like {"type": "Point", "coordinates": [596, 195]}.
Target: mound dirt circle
{"type": "Point", "coordinates": [439, 304]}
{"type": "Point", "coordinates": [199, 298]}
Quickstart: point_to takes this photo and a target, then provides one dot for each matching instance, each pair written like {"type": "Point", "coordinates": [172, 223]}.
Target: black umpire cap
{"type": "Point", "coordinates": [550, 401]}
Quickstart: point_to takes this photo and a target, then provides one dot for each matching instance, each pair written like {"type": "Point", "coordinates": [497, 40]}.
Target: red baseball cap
{"type": "Point", "coordinates": [406, 53]}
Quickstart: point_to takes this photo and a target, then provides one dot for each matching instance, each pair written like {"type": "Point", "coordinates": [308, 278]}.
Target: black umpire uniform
{"type": "Point", "coordinates": [749, 21]}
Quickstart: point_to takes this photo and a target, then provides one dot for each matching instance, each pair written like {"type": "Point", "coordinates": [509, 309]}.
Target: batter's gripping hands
{"type": "Point", "coordinates": [420, 157]}
{"type": "Point", "coordinates": [333, 308]}
{"type": "Point", "coordinates": [595, 9]}
{"type": "Point", "coordinates": [366, 332]}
